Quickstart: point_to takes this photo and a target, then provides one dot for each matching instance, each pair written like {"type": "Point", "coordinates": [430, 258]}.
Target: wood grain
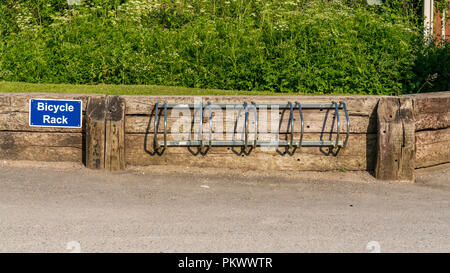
{"type": "Point", "coordinates": [95, 133]}
{"type": "Point", "coordinates": [115, 134]}
{"type": "Point", "coordinates": [395, 144]}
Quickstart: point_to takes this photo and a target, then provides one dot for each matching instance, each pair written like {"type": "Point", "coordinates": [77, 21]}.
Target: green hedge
{"type": "Point", "coordinates": [302, 46]}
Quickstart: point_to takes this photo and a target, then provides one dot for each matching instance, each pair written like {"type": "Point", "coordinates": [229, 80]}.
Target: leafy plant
{"type": "Point", "coordinates": [315, 46]}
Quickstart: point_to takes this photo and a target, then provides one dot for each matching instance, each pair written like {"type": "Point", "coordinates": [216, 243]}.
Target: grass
{"type": "Point", "coordinates": [110, 89]}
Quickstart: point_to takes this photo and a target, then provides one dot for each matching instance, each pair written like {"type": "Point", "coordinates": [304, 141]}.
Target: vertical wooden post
{"type": "Point", "coordinates": [95, 132]}
{"type": "Point", "coordinates": [105, 133]}
{"type": "Point", "coordinates": [396, 139]}
{"type": "Point", "coordinates": [115, 134]}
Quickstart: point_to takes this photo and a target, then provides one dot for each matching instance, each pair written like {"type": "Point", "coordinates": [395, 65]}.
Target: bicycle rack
{"type": "Point", "coordinates": [160, 146]}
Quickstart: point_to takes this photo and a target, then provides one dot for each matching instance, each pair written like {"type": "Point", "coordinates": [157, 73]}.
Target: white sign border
{"type": "Point", "coordinates": [68, 127]}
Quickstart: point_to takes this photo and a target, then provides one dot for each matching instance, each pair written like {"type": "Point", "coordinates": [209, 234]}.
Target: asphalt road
{"type": "Point", "coordinates": [57, 207]}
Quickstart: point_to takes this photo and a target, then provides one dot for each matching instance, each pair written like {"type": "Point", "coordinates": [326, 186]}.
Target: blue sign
{"type": "Point", "coordinates": [55, 113]}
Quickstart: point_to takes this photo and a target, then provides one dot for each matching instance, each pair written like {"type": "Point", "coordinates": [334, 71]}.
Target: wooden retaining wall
{"type": "Point", "coordinates": [359, 155]}
{"type": "Point", "coordinates": [390, 135]}
{"type": "Point", "coordinates": [432, 125]}
{"type": "Point", "coordinates": [19, 141]}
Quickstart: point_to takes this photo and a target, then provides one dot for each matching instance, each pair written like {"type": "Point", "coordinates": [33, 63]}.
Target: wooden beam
{"type": "Point", "coordinates": [432, 147]}
{"type": "Point", "coordinates": [315, 121]}
{"type": "Point", "coordinates": [432, 111]}
{"type": "Point", "coordinates": [115, 134]}
{"type": "Point", "coordinates": [396, 130]}
{"type": "Point", "coordinates": [356, 105]}
{"type": "Point", "coordinates": [40, 146]}
{"type": "Point", "coordinates": [359, 155]}
{"type": "Point", "coordinates": [95, 133]}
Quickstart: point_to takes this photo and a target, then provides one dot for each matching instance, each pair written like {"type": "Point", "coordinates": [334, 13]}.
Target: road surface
{"type": "Point", "coordinates": [57, 207]}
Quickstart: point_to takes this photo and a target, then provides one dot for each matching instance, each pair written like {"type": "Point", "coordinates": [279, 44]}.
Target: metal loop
{"type": "Point", "coordinates": [234, 144]}
{"type": "Point", "coordinates": [348, 124]}
{"type": "Point", "coordinates": [336, 109]}
{"type": "Point", "coordinates": [155, 128]}
{"type": "Point", "coordinates": [210, 125]}
{"type": "Point", "coordinates": [165, 125]}
{"type": "Point", "coordinates": [245, 133]}
{"type": "Point", "coordinates": [291, 124]}
{"type": "Point", "coordinates": [256, 125]}
{"type": "Point", "coordinates": [302, 124]}
{"type": "Point", "coordinates": [200, 133]}
{"type": "Point", "coordinates": [233, 137]}
{"type": "Point", "coordinates": [289, 142]}
{"type": "Point", "coordinates": [201, 149]}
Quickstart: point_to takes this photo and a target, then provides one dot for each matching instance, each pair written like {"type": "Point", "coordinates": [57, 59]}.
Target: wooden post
{"type": "Point", "coordinates": [105, 133]}
{"type": "Point", "coordinates": [396, 138]}
{"type": "Point", "coordinates": [115, 134]}
{"type": "Point", "coordinates": [95, 133]}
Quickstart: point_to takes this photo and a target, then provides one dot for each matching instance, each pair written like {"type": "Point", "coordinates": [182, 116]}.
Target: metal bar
{"type": "Point", "coordinates": [302, 124]}
{"type": "Point", "coordinates": [165, 125]}
{"type": "Point", "coordinates": [245, 135]}
{"type": "Point", "coordinates": [155, 125]}
{"type": "Point", "coordinates": [348, 124]}
{"type": "Point", "coordinates": [291, 124]}
{"type": "Point", "coordinates": [200, 133]}
{"type": "Point", "coordinates": [244, 142]}
{"type": "Point", "coordinates": [240, 143]}
{"type": "Point", "coordinates": [336, 108]}
{"type": "Point", "coordinates": [281, 105]}
{"type": "Point", "coordinates": [256, 125]}
{"type": "Point", "coordinates": [210, 124]}
{"type": "Point", "coordinates": [233, 137]}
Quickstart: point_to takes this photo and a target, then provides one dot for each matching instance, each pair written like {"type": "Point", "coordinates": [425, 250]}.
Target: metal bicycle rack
{"type": "Point", "coordinates": [203, 146]}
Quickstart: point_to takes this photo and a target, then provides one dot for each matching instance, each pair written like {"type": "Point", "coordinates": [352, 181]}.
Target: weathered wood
{"type": "Point", "coordinates": [314, 121]}
{"type": "Point", "coordinates": [104, 133]}
{"type": "Point", "coordinates": [432, 147]}
{"type": "Point", "coordinates": [359, 141]}
{"type": "Point", "coordinates": [259, 161]}
{"type": "Point", "coordinates": [395, 155]}
{"type": "Point", "coordinates": [5, 103]}
{"type": "Point", "coordinates": [437, 102]}
{"type": "Point", "coordinates": [357, 105]}
{"type": "Point", "coordinates": [432, 112]}
{"type": "Point", "coordinates": [95, 132]}
{"type": "Point", "coordinates": [41, 146]}
{"type": "Point", "coordinates": [19, 121]}
{"type": "Point", "coordinates": [115, 134]}
{"type": "Point", "coordinates": [14, 111]}
{"type": "Point", "coordinates": [19, 102]}
{"type": "Point", "coordinates": [426, 121]}
{"type": "Point", "coordinates": [358, 156]}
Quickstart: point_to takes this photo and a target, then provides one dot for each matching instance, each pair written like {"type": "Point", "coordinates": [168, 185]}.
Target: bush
{"type": "Point", "coordinates": [315, 47]}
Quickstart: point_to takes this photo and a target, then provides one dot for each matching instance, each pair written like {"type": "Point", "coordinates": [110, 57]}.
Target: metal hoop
{"type": "Point", "coordinates": [348, 123]}
{"type": "Point", "coordinates": [200, 133]}
{"type": "Point", "coordinates": [336, 109]}
{"type": "Point", "coordinates": [256, 125]}
{"type": "Point", "coordinates": [156, 147]}
{"type": "Point", "coordinates": [155, 128]}
{"type": "Point", "coordinates": [245, 134]}
{"type": "Point", "coordinates": [302, 125]}
{"type": "Point", "coordinates": [233, 138]}
{"type": "Point", "coordinates": [290, 143]}
{"type": "Point", "coordinates": [210, 125]}
{"type": "Point", "coordinates": [291, 124]}
{"type": "Point", "coordinates": [165, 125]}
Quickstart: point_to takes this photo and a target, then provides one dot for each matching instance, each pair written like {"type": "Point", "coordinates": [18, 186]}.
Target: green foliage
{"type": "Point", "coordinates": [315, 46]}
{"type": "Point", "coordinates": [118, 89]}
